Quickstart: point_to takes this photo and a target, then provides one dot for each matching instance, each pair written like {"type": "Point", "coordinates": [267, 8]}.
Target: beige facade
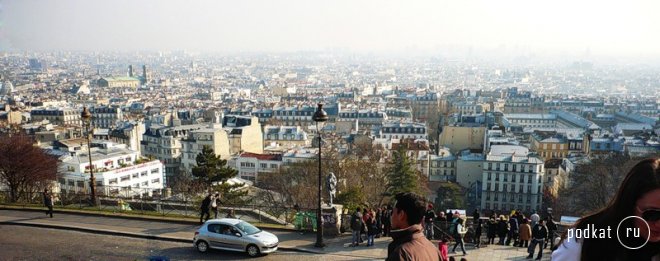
{"type": "Point", "coordinates": [459, 138]}
{"type": "Point", "coordinates": [192, 145]}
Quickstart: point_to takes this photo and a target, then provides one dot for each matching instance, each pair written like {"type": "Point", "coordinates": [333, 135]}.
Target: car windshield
{"type": "Point", "coordinates": [247, 228]}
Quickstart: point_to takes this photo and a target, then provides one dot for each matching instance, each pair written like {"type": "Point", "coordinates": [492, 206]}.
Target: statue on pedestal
{"type": "Point", "coordinates": [331, 183]}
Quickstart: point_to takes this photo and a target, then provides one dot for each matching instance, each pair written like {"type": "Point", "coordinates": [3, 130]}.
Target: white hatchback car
{"type": "Point", "coordinates": [234, 235]}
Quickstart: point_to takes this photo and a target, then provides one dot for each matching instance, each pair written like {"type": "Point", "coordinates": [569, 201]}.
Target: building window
{"type": "Point", "coordinates": [153, 181]}
{"type": "Point", "coordinates": [489, 175]}
{"type": "Point", "coordinates": [112, 181]}
{"type": "Point", "coordinates": [135, 175]}
{"type": "Point", "coordinates": [80, 184]}
{"type": "Point", "coordinates": [125, 178]}
{"type": "Point", "coordinates": [264, 165]}
{"type": "Point", "coordinates": [143, 173]}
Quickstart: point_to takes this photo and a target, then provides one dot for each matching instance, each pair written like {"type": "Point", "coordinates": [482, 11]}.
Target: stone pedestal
{"type": "Point", "coordinates": [331, 219]}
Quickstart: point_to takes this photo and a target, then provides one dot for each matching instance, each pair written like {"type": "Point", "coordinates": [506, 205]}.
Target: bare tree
{"type": "Point", "coordinates": [24, 168]}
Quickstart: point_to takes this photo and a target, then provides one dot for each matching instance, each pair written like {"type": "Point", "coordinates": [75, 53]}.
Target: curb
{"type": "Point", "coordinates": [133, 235]}
{"type": "Point", "coordinates": [121, 215]}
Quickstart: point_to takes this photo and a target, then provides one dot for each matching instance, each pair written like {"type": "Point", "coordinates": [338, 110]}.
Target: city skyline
{"type": "Point", "coordinates": [513, 28]}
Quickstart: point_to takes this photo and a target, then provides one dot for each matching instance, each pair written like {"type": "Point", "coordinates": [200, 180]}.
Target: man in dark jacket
{"type": "Point", "coordinates": [539, 234]}
{"type": "Point", "coordinates": [409, 242]}
{"type": "Point", "coordinates": [387, 222]}
{"type": "Point", "coordinates": [205, 207]}
{"type": "Point", "coordinates": [429, 219]}
{"type": "Point", "coordinates": [356, 226]}
{"type": "Point", "coordinates": [48, 202]}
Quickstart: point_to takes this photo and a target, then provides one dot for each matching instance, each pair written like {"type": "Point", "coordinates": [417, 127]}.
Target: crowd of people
{"type": "Point", "coordinates": [371, 224]}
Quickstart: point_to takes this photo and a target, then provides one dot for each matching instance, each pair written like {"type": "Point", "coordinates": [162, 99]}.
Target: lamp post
{"type": "Point", "coordinates": [86, 117]}
{"type": "Point", "coordinates": [320, 116]}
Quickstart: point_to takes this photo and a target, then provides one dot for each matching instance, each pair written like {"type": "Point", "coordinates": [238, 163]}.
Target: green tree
{"type": "Point", "coordinates": [403, 177]}
{"type": "Point", "coordinates": [213, 172]}
{"type": "Point", "coordinates": [449, 196]}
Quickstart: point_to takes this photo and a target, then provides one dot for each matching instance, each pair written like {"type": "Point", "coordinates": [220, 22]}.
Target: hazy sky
{"type": "Point", "coordinates": [602, 27]}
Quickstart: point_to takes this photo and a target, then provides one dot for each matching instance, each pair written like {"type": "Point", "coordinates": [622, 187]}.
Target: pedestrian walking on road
{"type": "Point", "coordinates": [409, 243]}
{"type": "Point", "coordinates": [204, 209]}
{"type": "Point", "coordinates": [460, 232]}
{"type": "Point", "coordinates": [48, 202]}
{"type": "Point", "coordinates": [215, 202]}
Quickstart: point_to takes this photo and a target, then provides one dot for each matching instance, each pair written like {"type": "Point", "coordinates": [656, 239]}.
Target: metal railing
{"type": "Point", "coordinates": [156, 204]}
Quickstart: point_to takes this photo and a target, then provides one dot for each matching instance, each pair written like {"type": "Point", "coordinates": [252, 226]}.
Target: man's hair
{"type": "Point", "coordinates": [411, 204]}
{"type": "Point", "coordinates": [358, 209]}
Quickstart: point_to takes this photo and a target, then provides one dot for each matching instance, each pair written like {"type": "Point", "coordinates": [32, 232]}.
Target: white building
{"type": "Point", "coordinates": [116, 170]}
{"type": "Point", "coordinates": [511, 179]}
{"type": "Point", "coordinates": [251, 165]}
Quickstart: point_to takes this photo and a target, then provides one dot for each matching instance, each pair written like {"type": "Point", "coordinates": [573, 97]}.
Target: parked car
{"type": "Point", "coordinates": [234, 235]}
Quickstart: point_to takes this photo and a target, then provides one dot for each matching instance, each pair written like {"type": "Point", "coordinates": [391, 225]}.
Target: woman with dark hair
{"type": "Point", "coordinates": [638, 195]}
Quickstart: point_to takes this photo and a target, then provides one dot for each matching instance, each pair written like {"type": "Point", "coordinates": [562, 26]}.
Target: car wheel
{"type": "Point", "coordinates": [202, 246]}
{"type": "Point", "coordinates": [252, 250]}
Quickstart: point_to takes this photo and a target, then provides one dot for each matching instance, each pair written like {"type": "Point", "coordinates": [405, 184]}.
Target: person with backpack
{"type": "Point", "coordinates": [356, 226]}
{"type": "Point", "coordinates": [460, 231]}
{"type": "Point", "coordinates": [429, 218]}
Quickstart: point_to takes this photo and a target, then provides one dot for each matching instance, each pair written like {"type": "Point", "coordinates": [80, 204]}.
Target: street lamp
{"type": "Point", "coordinates": [86, 117]}
{"type": "Point", "coordinates": [320, 116]}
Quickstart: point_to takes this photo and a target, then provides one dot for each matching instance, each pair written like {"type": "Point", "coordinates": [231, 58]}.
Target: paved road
{"type": "Point", "coordinates": [28, 243]}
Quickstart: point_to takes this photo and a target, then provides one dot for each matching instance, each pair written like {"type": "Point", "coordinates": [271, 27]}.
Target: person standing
{"type": "Point", "coordinates": [513, 231]}
{"type": "Point", "coordinates": [379, 224]}
{"type": "Point", "coordinates": [215, 201]}
{"type": "Point", "coordinates": [492, 230]}
{"type": "Point", "coordinates": [387, 222]}
{"type": "Point", "coordinates": [475, 217]}
{"type": "Point", "coordinates": [371, 228]}
{"type": "Point", "coordinates": [443, 247]}
{"type": "Point", "coordinates": [356, 226]}
{"type": "Point", "coordinates": [552, 227]}
{"type": "Point", "coordinates": [204, 209]}
{"type": "Point", "coordinates": [539, 234]}
{"type": "Point", "coordinates": [408, 241]}
{"type": "Point", "coordinates": [502, 229]}
{"type": "Point", "coordinates": [525, 233]}
{"type": "Point", "coordinates": [48, 202]}
{"type": "Point", "coordinates": [477, 234]}
{"type": "Point", "coordinates": [429, 218]}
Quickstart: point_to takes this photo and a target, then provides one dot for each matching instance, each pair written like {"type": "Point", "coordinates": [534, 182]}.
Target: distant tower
{"type": "Point", "coordinates": [130, 71]}
{"type": "Point", "coordinates": [144, 73]}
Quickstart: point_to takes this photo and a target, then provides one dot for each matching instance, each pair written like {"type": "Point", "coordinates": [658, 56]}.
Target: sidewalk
{"type": "Point", "coordinates": [182, 232]}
